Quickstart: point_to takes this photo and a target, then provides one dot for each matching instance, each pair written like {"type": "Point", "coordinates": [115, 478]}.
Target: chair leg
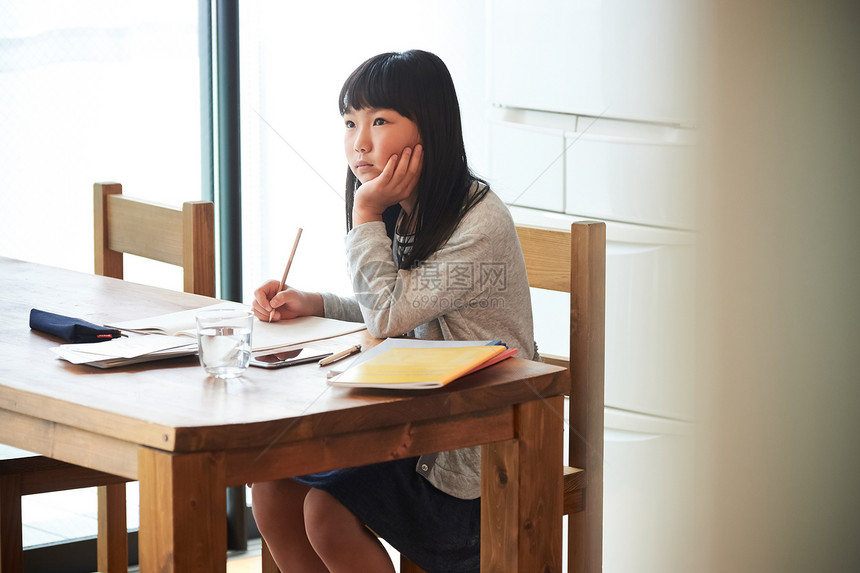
{"type": "Point", "coordinates": [11, 544]}
{"type": "Point", "coordinates": [113, 531]}
{"type": "Point", "coordinates": [269, 565]}
{"type": "Point", "coordinates": [407, 566]}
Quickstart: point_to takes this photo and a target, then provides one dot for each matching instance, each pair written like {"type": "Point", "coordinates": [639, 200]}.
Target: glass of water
{"type": "Point", "coordinates": [224, 341]}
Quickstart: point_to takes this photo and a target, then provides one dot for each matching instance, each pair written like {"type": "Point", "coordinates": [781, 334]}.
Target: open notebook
{"type": "Point", "coordinates": [266, 335]}
{"type": "Point", "coordinates": [409, 364]}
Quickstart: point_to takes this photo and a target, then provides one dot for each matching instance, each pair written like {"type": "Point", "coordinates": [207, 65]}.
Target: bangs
{"type": "Point", "coordinates": [381, 82]}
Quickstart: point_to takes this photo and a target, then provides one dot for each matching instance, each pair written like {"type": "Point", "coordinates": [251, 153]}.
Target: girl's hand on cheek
{"type": "Point", "coordinates": [396, 183]}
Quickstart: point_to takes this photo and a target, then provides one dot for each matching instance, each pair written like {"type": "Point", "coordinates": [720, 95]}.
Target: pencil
{"type": "Point", "coordinates": [342, 354]}
{"type": "Point", "coordinates": [287, 268]}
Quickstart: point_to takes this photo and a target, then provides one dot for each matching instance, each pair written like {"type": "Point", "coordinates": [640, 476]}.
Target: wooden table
{"type": "Point", "coordinates": [186, 437]}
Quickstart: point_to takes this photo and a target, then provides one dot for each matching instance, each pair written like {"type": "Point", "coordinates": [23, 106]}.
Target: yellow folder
{"type": "Point", "coordinates": [416, 368]}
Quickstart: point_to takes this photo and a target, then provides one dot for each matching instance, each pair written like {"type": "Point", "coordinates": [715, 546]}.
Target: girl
{"type": "Point", "coordinates": [433, 253]}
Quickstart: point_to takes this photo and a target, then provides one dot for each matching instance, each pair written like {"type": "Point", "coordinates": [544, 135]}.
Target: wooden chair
{"type": "Point", "coordinates": [25, 473]}
{"type": "Point", "coordinates": [574, 263]}
{"type": "Point", "coordinates": [183, 237]}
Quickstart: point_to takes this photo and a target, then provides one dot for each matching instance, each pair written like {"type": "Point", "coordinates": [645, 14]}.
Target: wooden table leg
{"type": "Point", "coordinates": [183, 528]}
{"type": "Point", "coordinates": [113, 535]}
{"type": "Point", "coordinates": [11, 544]}
{"type": "Point", "coordinates": [521, 498]}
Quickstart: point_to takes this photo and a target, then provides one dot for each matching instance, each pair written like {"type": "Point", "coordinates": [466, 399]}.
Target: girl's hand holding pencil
{"type": "Point", "coordinates": [286, 304]}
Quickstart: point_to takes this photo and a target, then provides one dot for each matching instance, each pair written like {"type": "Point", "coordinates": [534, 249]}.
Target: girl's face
{"type": "Point", "coordinates": [372, 136]}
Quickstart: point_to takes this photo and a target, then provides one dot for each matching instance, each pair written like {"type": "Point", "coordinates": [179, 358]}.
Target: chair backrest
{"type": "Point", "coordinates": [183, 237]}
{"type": "Point", "coordinates": [575, 262]}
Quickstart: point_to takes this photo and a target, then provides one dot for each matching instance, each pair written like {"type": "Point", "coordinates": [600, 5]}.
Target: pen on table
{"type": "Point", "coordinates": [342, 354]}
{"type": "Point", "coordinates": [287, 269]}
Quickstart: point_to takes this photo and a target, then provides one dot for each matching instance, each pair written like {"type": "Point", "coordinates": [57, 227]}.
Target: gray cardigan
{"type": "Point", "coordinates": [473, 288]}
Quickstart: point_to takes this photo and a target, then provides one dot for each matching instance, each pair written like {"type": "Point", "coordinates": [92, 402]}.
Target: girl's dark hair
{"type": "Point", "coordinates": [418, 85]}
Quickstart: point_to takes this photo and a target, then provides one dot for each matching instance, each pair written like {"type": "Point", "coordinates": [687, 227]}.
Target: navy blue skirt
{"type": "Point", "coordinates": [436, 531]}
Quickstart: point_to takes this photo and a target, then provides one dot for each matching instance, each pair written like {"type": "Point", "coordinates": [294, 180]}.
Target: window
{"type": "Point", "coordinates": [93, 91]}
{"type": "Point", "coordinates": [294, 59]}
